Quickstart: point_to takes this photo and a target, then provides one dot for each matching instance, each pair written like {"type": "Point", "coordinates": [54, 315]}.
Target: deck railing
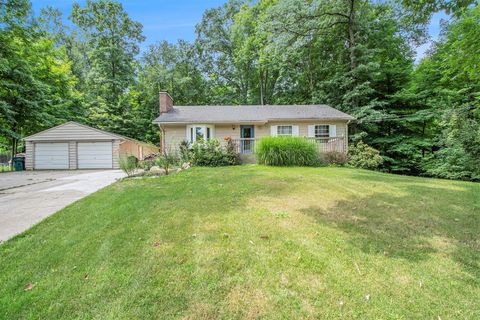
{"type": "Point", "coordinates": [324, 145]}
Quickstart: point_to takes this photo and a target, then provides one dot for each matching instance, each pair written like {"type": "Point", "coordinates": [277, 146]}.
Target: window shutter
{"type": "Point", "coordinates": [295, 131]}
{"type": "Point", "coordinates": [187, 135]}
{"type": "Point", "coordinates": [311, 131]}
{"type": "Point", "coordinates": [273, 131]}
{"type": "Point", "coordinates": [332, 130]}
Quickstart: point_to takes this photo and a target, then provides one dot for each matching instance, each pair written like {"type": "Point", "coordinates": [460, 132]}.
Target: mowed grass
{"type": "Point", "coordinates": [253, 242]}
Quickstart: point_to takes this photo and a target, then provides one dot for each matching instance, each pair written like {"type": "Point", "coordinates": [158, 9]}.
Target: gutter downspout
{"type": "Point", "coordinates": [162, 139]}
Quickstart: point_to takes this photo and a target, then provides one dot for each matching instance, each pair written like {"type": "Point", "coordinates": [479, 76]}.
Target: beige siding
{"type": "Point", "coordinates": [72, 154]}
{"type": "Point", "coordinates": [176, 133]}
{"type": "Point", "coordinates": [222, 131]}
{"type": "Point", "coordinates": [302, 127]}
{"type": "Point", "coordinates": [29, 155]}
{"type": "Point", "coordinates": [116, 153]}
{"type": "Point", "coordinates": [70, 131]}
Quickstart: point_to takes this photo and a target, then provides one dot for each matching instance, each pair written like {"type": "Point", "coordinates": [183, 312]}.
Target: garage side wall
{"type": "Point", "coordinates": [116, 153]}
{"type": "Point", "coordinates": [29, 154]}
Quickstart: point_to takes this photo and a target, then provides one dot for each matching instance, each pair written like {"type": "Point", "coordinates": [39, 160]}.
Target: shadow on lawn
{"type": "Point", "coordinates": [419, 221]}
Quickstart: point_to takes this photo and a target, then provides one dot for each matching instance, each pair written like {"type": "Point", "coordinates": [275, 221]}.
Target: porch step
{"type": "Point", "coordinates": [247, 158]}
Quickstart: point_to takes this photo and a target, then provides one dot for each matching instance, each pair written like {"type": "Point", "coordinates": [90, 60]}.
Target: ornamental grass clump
{"type": "Point", "coordinates": [286, 151]}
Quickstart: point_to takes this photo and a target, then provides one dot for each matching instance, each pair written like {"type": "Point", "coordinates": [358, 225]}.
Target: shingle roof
{"type": "Point", "coordinates": [249, 113]}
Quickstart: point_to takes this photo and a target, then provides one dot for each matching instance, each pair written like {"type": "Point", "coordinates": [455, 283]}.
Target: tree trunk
{"type": "Point", "coordinates": [351, 36]}
{"type": "Point", "coordinates": [261, 87]}
{"type": "Point", "coordinates": [14, 150]}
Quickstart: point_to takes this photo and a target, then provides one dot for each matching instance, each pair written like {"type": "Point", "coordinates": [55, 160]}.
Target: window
{"type": "Point", "coordinates": [322, 131]}
{"type": "Point", "coordinates": [284, 130]}
{"type": "Point", "coordinates": [199, 132]}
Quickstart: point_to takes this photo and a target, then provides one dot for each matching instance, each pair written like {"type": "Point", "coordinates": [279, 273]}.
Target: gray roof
{"type": "Point", "coordinates": [249, 113]}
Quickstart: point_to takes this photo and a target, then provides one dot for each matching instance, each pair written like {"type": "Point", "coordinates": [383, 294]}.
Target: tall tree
{"type": "Point", "coordinates": [35, 78]}
{"type": "Point", "coordinates": [171, 67]}
{"type": "Point", "coordinates": [451, 89]}
{"type": "Point", "coordinates": [113, 39]}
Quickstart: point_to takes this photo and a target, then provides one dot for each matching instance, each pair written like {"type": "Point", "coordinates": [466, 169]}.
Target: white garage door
{"type": "Point", "coordinates": [51, 156]}
{"type": "Point", "coordinates": [95, 155]}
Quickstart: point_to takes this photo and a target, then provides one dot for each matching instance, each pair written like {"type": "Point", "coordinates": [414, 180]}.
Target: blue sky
{"type": "Point", "coordinates": [175, 19]}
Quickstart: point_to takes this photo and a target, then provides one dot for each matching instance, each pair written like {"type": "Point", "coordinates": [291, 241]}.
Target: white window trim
{"type": "Point", "coordinates": [332, 130]}
{"type": "Point", "coordinates": [274, 130]}
{"type": "Point", "coordinates": [192, 138]}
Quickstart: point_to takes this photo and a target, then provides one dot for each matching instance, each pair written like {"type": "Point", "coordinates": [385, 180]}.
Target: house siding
{"type": "Point", "coordinates": [116, 153]}
{"type": "Point", "coordinates": [72, 155]}
{"type": "Point", "coordinates": [29, 154]}
{"type": "Point", "coordinates": [174, 134]}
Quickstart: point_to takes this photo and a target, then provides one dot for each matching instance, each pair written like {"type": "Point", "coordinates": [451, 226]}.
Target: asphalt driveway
{"type": "Point", "coordinates": [28, 197]}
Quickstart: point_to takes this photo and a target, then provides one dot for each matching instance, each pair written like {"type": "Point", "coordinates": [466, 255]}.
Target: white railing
{"type": "Point", "coordinates": [324, 145]}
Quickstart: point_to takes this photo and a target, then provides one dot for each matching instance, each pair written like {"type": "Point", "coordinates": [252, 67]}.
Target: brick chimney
{"type": "Point", "coordinates": [166, 102]}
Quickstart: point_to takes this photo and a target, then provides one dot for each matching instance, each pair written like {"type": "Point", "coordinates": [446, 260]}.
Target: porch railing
{"type": "Point", "coordinates": [331, 144]}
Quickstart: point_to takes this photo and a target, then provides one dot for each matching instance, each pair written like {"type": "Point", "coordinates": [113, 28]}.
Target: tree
{"type": "Point", "coordinates": [113, 39]}
{"type": "Point", "coordinates": [35, 78]}
{"type": "Point", "coordinates": [451, 88]}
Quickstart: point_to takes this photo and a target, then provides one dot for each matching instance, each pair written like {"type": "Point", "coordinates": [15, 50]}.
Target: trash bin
{"type": "Point", "coordinates": [19, 163]}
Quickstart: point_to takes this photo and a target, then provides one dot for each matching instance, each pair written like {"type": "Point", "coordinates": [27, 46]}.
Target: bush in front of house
{"type": "Point", "coordinates": [286, 151]}
{"type": "Point", "coordinates": [128, 164]}
{"type": "Point", "coordinates": [209, 153]}
{"type": "Point", "coordinates": [363, 156]}
{"type": "Point", "coordinates": [167, 161]}
{"type": "Point", "coordinates": [185, 152]}
{"type": "Point", "coordinates": [334, 158]}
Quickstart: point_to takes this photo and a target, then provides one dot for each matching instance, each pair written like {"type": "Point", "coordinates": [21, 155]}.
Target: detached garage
{"type": "Point", "coordinates": [76, 146]}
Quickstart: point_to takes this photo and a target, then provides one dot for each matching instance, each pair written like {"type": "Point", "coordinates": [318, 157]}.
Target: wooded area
{"type": "Point", "coordinates": [355, 55]}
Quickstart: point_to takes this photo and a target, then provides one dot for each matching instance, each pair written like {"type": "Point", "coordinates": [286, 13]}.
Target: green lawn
{"type": "Point", "coordinates": [253, 242]}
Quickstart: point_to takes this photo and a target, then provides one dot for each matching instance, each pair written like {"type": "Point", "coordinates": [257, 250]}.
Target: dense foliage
{"type": "Point", "coordinates": [286, 151]}
{"type": "Point", "coordinates": [210, 153]}
{"type": "Point", "coordinates": [363, 156]}
{"type": "Point", "coordinates": [356, 55]}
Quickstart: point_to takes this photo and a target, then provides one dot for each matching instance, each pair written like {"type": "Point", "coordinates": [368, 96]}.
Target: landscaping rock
{"type": "Point", "coordinates": [179, 169]}
{"type": "Point", "coordinates": [186, 165]}
{"type": "Point", "coordinates": [138, 173]}
{"type": "Point", "coordinates": [157, 170]}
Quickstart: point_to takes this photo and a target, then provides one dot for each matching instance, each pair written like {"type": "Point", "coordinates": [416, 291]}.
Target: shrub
{"type": "Point", "coordinates": [185, 154]}
{"type": "Point", "coordinates": [210, 153]}
{"type": "Point", "coordinates": [146, 164]}
{"type": "Point", "coordinates": [334, 157]}
{"type": "Point", "coordinates": [231, 150]}
{"type": "Point", "coordinates": [167, 161]}
{"type": "Point", "coordinates": [286, 151]}
{"type": "Point", "coordinates": [363, 156]}
{"type": "Point", "coordinates": [128, 164]}
{"type": "Point", "coordinates": [5, 168]}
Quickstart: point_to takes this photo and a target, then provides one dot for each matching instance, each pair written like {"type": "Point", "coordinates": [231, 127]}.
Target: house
{"type": "Point", "coordinates": [76, 146]}
{"type": "Point", "coordinates": [246, 124]}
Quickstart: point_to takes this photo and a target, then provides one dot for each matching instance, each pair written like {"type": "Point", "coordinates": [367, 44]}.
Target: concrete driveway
{"type": "Point", "coordinates": [28, 197]}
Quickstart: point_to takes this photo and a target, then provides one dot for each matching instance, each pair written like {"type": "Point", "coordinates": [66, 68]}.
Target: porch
{"type": "Point", "coordinates": [324, 145]}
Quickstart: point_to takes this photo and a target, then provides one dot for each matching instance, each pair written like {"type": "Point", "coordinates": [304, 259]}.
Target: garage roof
{"type": "Point", "coordinates": [73, 131]}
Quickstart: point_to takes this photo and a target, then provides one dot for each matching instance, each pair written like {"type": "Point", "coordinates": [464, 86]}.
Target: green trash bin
{"type": "Point", "coordinates": [19, 163]}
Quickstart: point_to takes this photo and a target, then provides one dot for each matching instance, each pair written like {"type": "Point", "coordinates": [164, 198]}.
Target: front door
{"type": "Point", "coordinates": [247, 139]}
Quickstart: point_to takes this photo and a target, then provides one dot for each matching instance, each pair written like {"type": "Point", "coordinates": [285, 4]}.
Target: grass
{"type": "Point", "coordinates": [287, 151]}
{"type": "Point", "coordinates": [253, 242]}
{"type": "Point", "coordinates": [5, 168]}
